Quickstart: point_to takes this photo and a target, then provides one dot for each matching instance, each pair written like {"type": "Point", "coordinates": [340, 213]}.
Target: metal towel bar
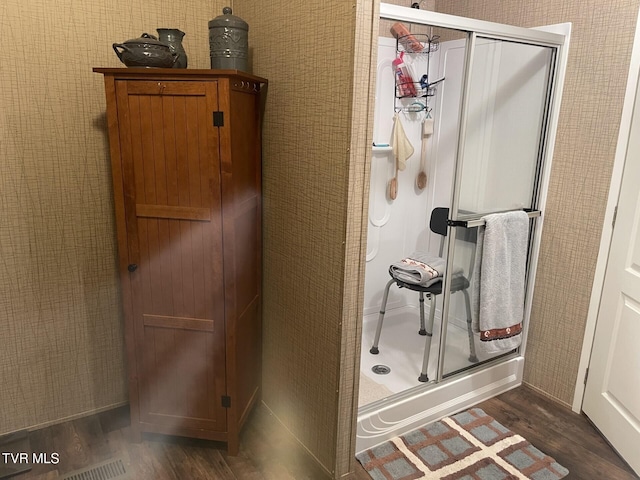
{"type": "Point", "coordinates": [476, 222]}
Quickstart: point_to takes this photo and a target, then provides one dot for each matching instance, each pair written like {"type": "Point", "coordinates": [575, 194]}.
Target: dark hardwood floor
{"type": "Point", "coordinates": [568, 437]}
{"type": "Point", "coordinates": [268, 452]}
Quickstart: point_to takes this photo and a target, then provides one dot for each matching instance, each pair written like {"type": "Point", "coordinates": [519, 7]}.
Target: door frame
{"type": "Point", "coordinates": [607, 227]}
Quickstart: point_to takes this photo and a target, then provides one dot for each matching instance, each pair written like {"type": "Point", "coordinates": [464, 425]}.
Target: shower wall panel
{"type": "Point", "coordinates": [396, 228]}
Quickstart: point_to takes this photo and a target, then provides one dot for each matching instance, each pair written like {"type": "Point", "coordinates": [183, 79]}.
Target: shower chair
{"type": "Point", "coordinates": [459, 283]}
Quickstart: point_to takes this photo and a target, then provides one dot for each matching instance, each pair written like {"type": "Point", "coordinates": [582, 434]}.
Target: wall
{"type": "Point", "coordinates": [365, 60]}
{"type": "Point", "coordinates": [59, 296]}
{"type": "Point", "coordinates": [59, 305]}
{"type": "Point", "coordinates": [309, 65]}
{"type": "Point", "coordinates": [62, 348]}
{"type": "Point", "coordinates": [313, 199]}
{"type": "Point", "coordinates": [599, 57]}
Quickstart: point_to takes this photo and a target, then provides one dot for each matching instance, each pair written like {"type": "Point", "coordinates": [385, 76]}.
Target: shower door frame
{"type": "Point", "coordinates": [475, 220]}
{"type": "Point", "coordinates": [405, 411]}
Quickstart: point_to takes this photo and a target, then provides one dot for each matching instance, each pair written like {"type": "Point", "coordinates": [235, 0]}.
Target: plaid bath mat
{"type": "Point", "coordinates": [467, 446]}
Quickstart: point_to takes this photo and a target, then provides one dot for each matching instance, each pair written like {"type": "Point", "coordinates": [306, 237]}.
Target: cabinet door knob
{"type": "Point", "coordinates": [132, 267]}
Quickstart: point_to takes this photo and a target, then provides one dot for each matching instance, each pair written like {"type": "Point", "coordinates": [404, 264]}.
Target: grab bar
{"type": "Point", "coordinates": [476, 222]}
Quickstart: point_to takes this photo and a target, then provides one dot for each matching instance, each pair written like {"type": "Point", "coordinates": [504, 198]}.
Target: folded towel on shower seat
{"type": "Point", "coordinates": [421, 268]}
{"type": "Point", "coordinates": [499, 281]}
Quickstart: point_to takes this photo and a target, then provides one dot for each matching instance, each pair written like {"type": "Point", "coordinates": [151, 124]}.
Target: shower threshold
{"type": "Point", "coordinates": [401, 413]}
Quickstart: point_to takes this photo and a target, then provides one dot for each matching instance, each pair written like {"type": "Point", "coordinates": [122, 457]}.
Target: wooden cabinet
{"type": "Point", "coordinates": [185, 155]}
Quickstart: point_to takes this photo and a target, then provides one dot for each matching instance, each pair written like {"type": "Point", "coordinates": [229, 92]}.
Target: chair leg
{"type": "Point", "coordinates": [422, 330]}
{"type": "Point", "coordinates": [385, 296]}
{"type": "Point", "coordinates": [427, 341]}
{"type": "Point", "coordinates": [472, 346]}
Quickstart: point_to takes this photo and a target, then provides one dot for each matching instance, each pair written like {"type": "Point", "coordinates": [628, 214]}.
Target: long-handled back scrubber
{"type": "Point", "coordinates": [427, 131]}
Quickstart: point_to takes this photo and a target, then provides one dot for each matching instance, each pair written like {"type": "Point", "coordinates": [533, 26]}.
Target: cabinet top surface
{"type": "Point", "coordinates": [178, 73]}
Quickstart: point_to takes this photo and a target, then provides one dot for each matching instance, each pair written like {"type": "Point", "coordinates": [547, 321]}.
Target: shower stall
{"type": "Point", "coordinates": [481, 119]}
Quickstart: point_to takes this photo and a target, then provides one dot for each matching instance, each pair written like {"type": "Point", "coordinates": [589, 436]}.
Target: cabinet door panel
{"type": "Point", "coordinates": [174, 231]}
{"type": "Point", "coordinates": [182, 381]}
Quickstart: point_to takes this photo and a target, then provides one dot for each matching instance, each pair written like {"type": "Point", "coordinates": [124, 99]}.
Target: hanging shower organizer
{"type": "Point", "coordinates": [424, 89]}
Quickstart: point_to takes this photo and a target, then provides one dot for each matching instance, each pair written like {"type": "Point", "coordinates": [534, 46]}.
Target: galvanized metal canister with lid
{"type": "Point", "coordinates": [229, 42]}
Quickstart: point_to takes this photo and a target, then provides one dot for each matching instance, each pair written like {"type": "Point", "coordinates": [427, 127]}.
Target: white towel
{"type": "Point", "coordinates": [499, 281]}
{"type": "Point", "coordinates": [400, 144]}
{"type": "Point", "coordinates": [421, 268]}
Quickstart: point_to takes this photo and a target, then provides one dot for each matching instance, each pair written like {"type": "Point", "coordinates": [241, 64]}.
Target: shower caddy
{"type": "Point", "coordinates": [423, 88]}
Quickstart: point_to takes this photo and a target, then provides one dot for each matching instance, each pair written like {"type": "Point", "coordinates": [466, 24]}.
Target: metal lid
{"type": "Point", "coordinates": [228, 20]}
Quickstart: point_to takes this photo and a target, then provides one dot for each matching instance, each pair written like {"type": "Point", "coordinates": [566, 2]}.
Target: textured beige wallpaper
{"type": "Point", "coordinates": [59, 300]}
{"type": "Point", "coordinates": [365, 68]}
{"type": "Point", "coordinates": [60, 317]}
{"type": "Point", "coordinates": [306, 52]}
{"type": "Point", "coordinates": [599, 57]}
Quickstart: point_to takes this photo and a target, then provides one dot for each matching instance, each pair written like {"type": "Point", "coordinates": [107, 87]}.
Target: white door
{"type": "Point", "coordinates": [612, 394]}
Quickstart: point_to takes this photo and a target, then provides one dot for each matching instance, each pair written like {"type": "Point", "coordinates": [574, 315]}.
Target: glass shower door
{"type": "Point", "coordinates": [500, 150]}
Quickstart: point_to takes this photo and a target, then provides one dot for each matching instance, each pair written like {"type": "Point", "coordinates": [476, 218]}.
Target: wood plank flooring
{"type": "Point", "coordinates": [267, 451]}
{"type": "Point", "coordinates": [568, 437]}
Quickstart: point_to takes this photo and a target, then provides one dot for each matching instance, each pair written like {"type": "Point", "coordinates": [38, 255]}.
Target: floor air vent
{"type": "Point", "coordinates": [109, 470]}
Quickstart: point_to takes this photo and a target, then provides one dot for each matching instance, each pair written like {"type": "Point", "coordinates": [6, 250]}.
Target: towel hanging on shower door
{"type": "Point", "coordinates": [499, 281]}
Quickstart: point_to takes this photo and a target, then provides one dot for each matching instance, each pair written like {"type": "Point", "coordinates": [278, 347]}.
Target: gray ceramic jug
{"type": "Point", "coordinates": [229, 42]}
{"type": "Point", "coordinates": [173, 37]}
